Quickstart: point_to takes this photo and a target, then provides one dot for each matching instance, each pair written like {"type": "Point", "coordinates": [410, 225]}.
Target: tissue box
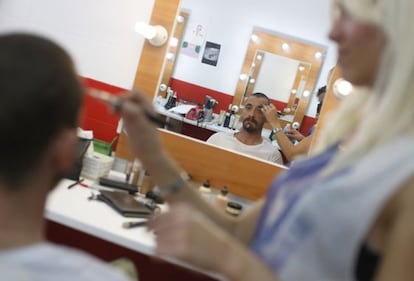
{"type": "Point", "coordinates": [96, 165]}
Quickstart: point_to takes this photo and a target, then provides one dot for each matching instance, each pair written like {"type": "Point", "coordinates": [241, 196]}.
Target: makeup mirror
{"type": "Point", "coordinates": [284, 68]}
{"type": "Point", "coordinates": [193, 79]}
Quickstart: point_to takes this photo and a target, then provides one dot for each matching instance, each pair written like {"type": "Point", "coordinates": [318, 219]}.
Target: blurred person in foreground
{"type": "Point", "coordinates": [41, 97]}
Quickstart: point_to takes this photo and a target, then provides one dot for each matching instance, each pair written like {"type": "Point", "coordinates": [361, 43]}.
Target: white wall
{"type": "Point", "coordinates": [97, 33]}
{"type": "Point", "coordinates": [230, 23]}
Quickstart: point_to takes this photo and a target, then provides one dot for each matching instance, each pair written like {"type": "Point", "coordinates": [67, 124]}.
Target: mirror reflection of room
{"type": "Point", "coordinates": [112, 58]}
{"type": "Point", "coordinates": [192, 83]}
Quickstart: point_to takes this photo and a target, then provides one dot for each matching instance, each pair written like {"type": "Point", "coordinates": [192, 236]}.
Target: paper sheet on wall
{"type": "Point", "coordinates": [191, 46]}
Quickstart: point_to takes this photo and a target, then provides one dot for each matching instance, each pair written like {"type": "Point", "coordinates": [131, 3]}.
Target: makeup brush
{"type": "Point", "coordinates": [131, 224]}
{"type": "Point", "coordinates": [114, 103]}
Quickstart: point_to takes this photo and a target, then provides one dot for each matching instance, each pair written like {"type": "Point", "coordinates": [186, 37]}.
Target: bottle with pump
{"type": "Point", "coordinates": [222, 199]}
{"type": "Point", "coordinates": [205, 190]}
{"type": "Point", "coordinates": [227, 117]}
{"type": "Point", "coordinates": [171, 100]}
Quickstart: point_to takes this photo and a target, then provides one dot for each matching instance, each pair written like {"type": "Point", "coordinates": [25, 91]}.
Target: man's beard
{"type": "Point", "coordinates": [250, 126]}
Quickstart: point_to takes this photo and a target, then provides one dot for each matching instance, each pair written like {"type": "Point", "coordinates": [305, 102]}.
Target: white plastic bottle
{"type": "Point", "coordinates": [286, 128]}
{"type": "Point", "coordinates": [205, 191]}
{"type": "Point", "coordinates": [222, 199]}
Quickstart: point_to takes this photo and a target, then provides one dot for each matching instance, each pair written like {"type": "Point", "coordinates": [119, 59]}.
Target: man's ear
{"type": "Point", "coordinates": [64, 150]}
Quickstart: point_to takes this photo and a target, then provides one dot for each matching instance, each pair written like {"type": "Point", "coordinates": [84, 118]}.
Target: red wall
{"type": "Point", "coordinates": [96, 115]}
{"type": "Point", "coordinates": [196, 93]}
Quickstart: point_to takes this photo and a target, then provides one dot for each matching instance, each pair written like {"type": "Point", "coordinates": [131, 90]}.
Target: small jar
{"type": "Point", "coordinates": [234, 208]}
{"type": "Point", "coordinates": [205, 190]}
{"type": "Point", "coordinates": [146, 184]}
{"type": "Point", "coordinates": [136, 169]}
{"type": "Point", "coordinates": [222, 198]}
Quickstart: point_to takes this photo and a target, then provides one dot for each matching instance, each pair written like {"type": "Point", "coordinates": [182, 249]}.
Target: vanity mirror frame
{"type": "Point", "coordinates": [172, 52]}
{"type": "Point", "coordinates": [298, 49]}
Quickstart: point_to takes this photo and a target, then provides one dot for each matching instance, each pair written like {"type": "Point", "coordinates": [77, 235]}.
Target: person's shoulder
{"type": "Point", "coordinates": [73, 264]}
{"type": "Point", "coordinates": [217, 136]}
{"type": "Point", "coordinates": [94, 268]}
{"type": "Point", "coordinates": [11, 271]}
{"type": "Point", "coordinates": [267, 143]}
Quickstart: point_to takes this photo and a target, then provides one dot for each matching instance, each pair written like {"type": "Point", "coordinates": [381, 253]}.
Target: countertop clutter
{"type": "Point", "coordinates": [76, 208]}
{"type": "Point", "coordinates": [180, 111]}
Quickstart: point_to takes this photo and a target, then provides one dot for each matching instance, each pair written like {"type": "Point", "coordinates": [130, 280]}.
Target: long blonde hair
{"type": "Point", "coordinates": [376, 118]}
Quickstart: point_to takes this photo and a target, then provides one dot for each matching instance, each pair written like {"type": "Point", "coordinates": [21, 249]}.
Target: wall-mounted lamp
{"type": "Point", "coordinates": [342, 88]}
{"type": "Point", "coordinates": [157, 35]}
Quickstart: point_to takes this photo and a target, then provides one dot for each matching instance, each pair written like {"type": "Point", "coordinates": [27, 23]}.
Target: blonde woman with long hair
{"type": "Point", "coordinates": [344, 214]}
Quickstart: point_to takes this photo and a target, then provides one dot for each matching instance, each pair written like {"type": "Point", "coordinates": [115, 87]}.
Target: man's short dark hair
{"type": "Point", "coordinates": [261, 95]}
{"type": "Point", "coordinates": [40, 95]}
{"type": "Point", "coordinates": [321, 90]}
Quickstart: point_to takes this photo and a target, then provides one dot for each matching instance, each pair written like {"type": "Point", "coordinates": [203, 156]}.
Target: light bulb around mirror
{"type": "Point", "coordinates": [295, 125]}
{"type": "Point", "coordinates": [243, 76]}
{"type": "Point", "coordinates": [318, 55]}
{"type": "Point", "coordinates": [173, 42]}
{"type": "Point", "coordinates": [179, 19]}
{"type": "Point", "coordinates": [163, 87]}
{"type": "Point", "coordinates": [169, 56]}
{"type": "Point", "coordinates": [254, 38]}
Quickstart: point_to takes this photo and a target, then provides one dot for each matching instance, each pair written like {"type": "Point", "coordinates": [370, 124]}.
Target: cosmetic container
{"type": "Point", "coordinates": [286, 128]}
{"type": "Point", "coordinates": [222, 198]}
{"type": "Point", "coordinates": [221, 117]}
{"type": "Point", "coordinates": [234, 208]}
{"type": "Point", "coordinates": [147, 184]}
{"type": "Point", "coordinates": [135, 175]}
{"type": "Point", "coordinates": [205, 190]}
{"type": "Point", "coordinates": [227, 118]}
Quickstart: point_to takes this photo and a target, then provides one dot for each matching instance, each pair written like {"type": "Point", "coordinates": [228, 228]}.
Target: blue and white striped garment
{"type": "Point", "coordinates": [312, 227]}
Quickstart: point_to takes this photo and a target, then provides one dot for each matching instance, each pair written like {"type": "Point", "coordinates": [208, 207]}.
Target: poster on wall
{"type": "Point", "coordinates": [191, 46]}
{"type": "Point", "coordinates": [211, 53]}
